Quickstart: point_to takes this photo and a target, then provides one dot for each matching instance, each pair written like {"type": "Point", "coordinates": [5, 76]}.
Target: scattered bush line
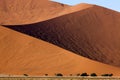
{"type": "Point", "coordinates": [83, 74]}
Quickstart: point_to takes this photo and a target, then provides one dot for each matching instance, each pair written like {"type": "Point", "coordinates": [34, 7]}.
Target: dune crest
{"type": "Point", "coordinates": [78, 7]}
{"type": "Point", "coordinates": [28, 11]}
{"type": "Point", "coordinates": [16, 12]}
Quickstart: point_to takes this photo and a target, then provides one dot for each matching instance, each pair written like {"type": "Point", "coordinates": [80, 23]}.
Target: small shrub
{"type": "Point", "coordinates": [110, 75]}
{"type": "Point", "coordinates": [58, 74]}
{"type": "Point", "coordinates": [25, 74]}
{"type": "Point", "coordinates": [46, 74]}
{"type": "Point", "coordinates": [93, 74]}
{"type": "Point", "coordinates": [84, 74]}
{"type": "Point", "coordinates": [107, 75]}
{"type": "Point", "coordinates": [71, 74]}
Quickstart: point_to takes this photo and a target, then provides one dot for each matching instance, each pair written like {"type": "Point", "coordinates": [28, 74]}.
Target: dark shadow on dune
{"type": "Point", "coordinates": [52, 33]}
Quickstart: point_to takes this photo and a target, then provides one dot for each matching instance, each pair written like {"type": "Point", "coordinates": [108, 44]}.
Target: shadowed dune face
{"type": "Point", "coordinates": [28, 11]}
{"type": "Point", "coordinates": [93, 33]}
{"type": "Point", "coordinates": [21, 54]}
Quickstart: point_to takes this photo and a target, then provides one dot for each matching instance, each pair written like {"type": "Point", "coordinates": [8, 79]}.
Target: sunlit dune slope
{"type": "Point", "coordinates": [92, 32]}
{"type": "Point", "coordinates": [22, 54]}
{"type": "Point", "coordinates": [28, 11]}
{"type": "Point", "coordinates": [76, 8]}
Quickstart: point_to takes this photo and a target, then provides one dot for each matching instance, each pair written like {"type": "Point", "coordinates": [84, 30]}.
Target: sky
{"type": "Point", "coordinates": [112, 4]}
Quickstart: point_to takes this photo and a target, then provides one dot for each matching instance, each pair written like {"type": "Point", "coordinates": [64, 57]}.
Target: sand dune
{"type": "Point", "coordinates": [16, 12]}
{"type": "Point", "coordinates": [28, 11]}
{"type": "Point", "coordinates": [86, 30]}
{"type": "Point", "coordinates": [22, 54]}
{"type": "Point", "coordinates": [92, 32]}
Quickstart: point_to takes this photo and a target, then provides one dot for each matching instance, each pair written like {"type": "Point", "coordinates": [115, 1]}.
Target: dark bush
{"type": "Point", "coordinates": [84, 74]}
{"type": "Point", "coordinates": [71, 75]}
{"type": "Point", "coordinates": [107, 75]}
{"type": "Point", "coordinates": [46, 74]}
{"type": "Point", "coordinates": [93, 74]}
{"type": "Point", "coordinates": [25, 74]}
{"type": "Point", "coordinates": [110, 74]}
{"type": "Point", "coordinates": [58, 74]}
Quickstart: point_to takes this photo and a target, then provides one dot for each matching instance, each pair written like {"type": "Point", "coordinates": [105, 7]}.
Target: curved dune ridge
{"type": "Point", "coordinates": [92, 32]}
{"type": "Point", "coordinates": [76, 8]}
{"type": "Point", "coordinates": [28, 11]}
{"type": "Point", "coordinates": [16, 12]}
{"type": "Point", "coordinates": [22, 54]}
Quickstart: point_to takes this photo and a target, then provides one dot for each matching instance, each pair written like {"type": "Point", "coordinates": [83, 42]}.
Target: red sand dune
{"type": "Point", "coordinates": [91, 32]}
{"type": "Point", "coordinates": [87, 30]}
{"type": "Point", "coordinates": [21, 54]}
{"type": "Point", "coordinates": [28, 11]}
{"type": "Point", "coordinates": [15, 12]}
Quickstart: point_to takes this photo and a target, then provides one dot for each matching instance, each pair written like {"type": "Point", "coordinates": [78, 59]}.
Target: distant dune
{"type": "Point", "coordinates": [76, 8]}
{"type": "Point", "coordinates": [22, 54]}
{"type": "Point", "coordinates": [28, 11]}
{"type": "Point", "coordinates": [91, 32]}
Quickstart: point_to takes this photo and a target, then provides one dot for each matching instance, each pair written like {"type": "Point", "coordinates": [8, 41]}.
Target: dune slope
{"type": "Point", "coordinates": [28, 11]}
{"type": "Point", "coordinates": [21, 54]}
{"type": "Point", "coordinates": [92, 32]}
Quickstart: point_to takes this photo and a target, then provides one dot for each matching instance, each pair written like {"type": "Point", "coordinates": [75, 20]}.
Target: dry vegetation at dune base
{"type": "Point", "coordinates": [59, 78]}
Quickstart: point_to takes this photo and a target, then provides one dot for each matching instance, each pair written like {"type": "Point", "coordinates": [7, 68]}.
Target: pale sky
{"type": "Point", "coordinates": [112, 4]}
